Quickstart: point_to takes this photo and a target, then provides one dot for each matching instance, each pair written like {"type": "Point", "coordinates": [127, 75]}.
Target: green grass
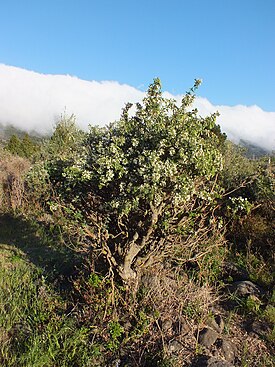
{"type": "Point", "coordinates": [41, 247]}
{"type": "Point", "coordinates": [35, 329]}
{"type": "Point", "coordinates": [42, 325]}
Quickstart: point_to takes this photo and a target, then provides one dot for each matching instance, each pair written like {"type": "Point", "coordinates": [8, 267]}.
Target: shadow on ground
{"type": "Point", "coordinates": [58, 263]}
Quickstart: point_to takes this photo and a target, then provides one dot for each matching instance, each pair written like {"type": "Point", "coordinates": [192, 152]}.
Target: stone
{"type": "Point", "coordinates": [228, 350]}
{"type": "Point", "coordinates": [205, 361]}
{"type": "Point", "coordinates": [230, 270]}
{"type": "Point", "coordinates": [259, 328]}
{"type": "Point", "coordinates": [216, 323]}
{"type": "Point", "coordinates": [215, 362]}
{"type": "Point", "coordinates": [174, 346]}
{"type": "Point", "coordinates": [208, 337]}
{"type": "Point", "coordinates": [184, 327]}
{"type": "Point", "coordinates": [181, 326]}
{"type": "Point", "coordinates": [245, 288]}
{"type": "Point", "coordinates": [166, 325]}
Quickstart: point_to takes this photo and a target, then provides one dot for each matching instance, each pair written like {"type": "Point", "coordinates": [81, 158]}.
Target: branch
{"type": "Point", "coordinates": [125, 269]}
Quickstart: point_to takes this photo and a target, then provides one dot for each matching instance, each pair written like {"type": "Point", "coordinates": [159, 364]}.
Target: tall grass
{"type": "Point", "coordinates": [12, 187]}
{"type": "Point", "coordinates": [34, 328]}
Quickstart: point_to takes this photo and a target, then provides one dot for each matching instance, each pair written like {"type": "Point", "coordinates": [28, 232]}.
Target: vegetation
{"type": "Point", "coordinates": [123, 241]}
{"type": "Point", "coordinates": [25, 147]}
{"type": "Point", "coordinates": [141, 175]}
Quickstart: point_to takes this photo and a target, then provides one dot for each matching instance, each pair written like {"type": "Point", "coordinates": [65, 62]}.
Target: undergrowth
{"type": "Point", "coordinates": [35, 329]}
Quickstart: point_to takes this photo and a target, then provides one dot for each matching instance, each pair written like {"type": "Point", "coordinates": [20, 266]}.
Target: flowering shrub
{"type": "Point", "coordinates": [145, 170]}
{"type": "Point", "coordinates": [135, 179]}
{"type": "Point", "coordinates": [159, 152]}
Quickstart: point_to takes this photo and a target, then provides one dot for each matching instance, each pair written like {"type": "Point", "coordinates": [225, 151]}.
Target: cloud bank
{"type": "Point", "coordinates": [34, 101]}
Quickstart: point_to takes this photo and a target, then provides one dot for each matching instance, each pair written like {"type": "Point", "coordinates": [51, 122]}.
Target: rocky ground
{"type": "Point", "coordinates": [229, 337]}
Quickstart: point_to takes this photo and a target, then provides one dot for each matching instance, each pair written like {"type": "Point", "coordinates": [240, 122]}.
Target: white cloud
{"type": "Point", "coordinates": [243, 122]}
{"type": "Point", "coordinates": [34, 101]}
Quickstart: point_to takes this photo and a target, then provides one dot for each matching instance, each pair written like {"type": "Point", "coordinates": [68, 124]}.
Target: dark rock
{"type": "Point", "coordinates": [216, 323]}
{"type": "Point", "coordinates": [228, 350]}
{"type": "Point", "coordinates": [245, 288]}
{"type": "Point", "coordinates": [259, 328]}
{"type": "Point", "coordinates": [181, 326]}
{"type": "Point", "coordinates": [215, 362]}
{"type": "Point", "coordinates": [207, 337]}
{"type": "Point", "coordinates": [200, 361]}
{"type": "Point", "coordinates": [210, 362]}
{"type": "Point", "coordinates": [235, 272]}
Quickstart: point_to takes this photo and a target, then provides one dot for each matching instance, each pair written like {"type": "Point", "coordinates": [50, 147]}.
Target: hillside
{"type": "Point", "coordinates": [253, 150]}
{"type": "Point", "coordinates": [7, 130]}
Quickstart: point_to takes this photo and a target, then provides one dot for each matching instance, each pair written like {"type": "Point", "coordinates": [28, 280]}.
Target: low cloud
{"type": "Point", "coordinates": [249, 123]}
{"type": "Point", "coordinates": [34, 101]}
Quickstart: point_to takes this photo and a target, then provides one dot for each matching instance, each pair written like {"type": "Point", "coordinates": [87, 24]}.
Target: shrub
{"type": "Point", "coordinates": [136, 179]}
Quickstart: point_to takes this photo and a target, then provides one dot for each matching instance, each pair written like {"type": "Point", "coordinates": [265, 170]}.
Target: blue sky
{"type": "Point", "coordinates": [230, 44]}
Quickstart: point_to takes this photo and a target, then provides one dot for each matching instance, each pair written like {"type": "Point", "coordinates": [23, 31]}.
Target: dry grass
{"type": "Point", "coordinates": [174, 295]}
{"type": "Point", "coordinates": [12, 189]}
{"type": "Point", "coordinates": [178, 308]}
